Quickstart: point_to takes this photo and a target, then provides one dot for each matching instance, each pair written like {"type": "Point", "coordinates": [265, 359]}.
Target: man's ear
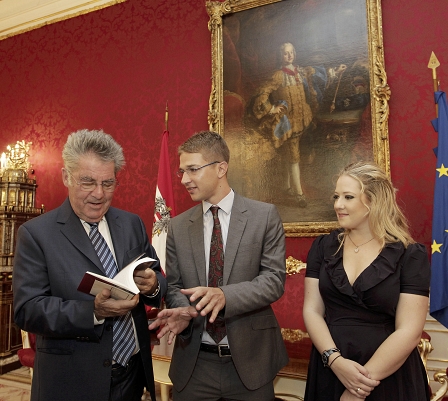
{"type": "Point", "coordinates": [65, 178]}
{"type": "Point", "coordinates": [223, 167]}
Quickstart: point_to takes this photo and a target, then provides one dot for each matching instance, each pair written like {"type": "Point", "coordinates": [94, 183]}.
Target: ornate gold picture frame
{"type": "Point", "coordinates": [290, 132]}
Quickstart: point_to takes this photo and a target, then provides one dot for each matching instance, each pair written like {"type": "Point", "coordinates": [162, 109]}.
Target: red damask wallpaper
{"type": "Point", "coordinates": [117, 67]}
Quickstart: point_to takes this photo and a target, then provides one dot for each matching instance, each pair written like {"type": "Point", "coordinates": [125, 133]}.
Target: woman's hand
{"type": "Point", "coordinates": [348, 396]}
{"type": "Point", "coordinates": [354, 377]}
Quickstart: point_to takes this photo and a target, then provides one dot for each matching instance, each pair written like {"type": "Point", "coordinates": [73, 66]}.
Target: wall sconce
{"type": "Point", "coordinates": [16, 157]}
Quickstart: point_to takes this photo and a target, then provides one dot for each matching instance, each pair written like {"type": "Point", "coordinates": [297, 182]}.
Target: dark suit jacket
{"type": "Point", "coordinates": [254, 277]}
{"type": "Point", "coordinates": [73, 357]}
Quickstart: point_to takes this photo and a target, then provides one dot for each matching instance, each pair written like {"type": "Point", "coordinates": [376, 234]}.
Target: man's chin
{"type": "Point", "coordinates": [196, 197]}
{"type": "Point", "coordinates": [96, 213]}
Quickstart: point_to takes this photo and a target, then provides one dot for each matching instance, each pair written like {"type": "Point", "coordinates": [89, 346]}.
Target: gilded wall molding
{"type": "Point", "coordinates": [19, 17]}
{"type": "Point", "coordinates": [379, 87]}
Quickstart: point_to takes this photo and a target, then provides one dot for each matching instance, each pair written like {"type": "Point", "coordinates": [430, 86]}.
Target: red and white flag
{"type": "Point", "coordinates": [163, 211]}
{"type": "Point", "coordinates": [164, 203]}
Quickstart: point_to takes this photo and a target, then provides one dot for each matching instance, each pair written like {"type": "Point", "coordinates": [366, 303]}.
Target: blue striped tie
{"type": "Point", "coordinates": [123, 337]}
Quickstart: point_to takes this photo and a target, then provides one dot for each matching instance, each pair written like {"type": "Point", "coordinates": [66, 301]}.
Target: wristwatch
{"type": "Point", "coordinates": [326, 354]}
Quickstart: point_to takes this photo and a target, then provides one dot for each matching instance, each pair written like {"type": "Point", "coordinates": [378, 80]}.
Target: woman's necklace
{"type": "Point", "coordinates": [358, 246]}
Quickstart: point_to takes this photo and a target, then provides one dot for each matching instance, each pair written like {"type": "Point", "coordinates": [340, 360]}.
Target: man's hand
{"type": "Point", "coordinates": [213, 300]}
{"type": "Point", "coordinates": [105, 306]}
{"type": "Point", "coordinates": [279, 109]}
{"type": "Point", "coordinates": [173, 321]}
{"type": "Point", "coordinates": [340, 69]}
{"type": "Point", "coordinates": [145, 278]}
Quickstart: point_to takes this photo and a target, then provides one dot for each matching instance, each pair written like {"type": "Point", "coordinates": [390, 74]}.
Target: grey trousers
{"type": "Point", "coordinates": [215, 379]}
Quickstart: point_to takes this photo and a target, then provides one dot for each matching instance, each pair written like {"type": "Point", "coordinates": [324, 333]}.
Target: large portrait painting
{"type": "Point", "coordinates": [299, 91]}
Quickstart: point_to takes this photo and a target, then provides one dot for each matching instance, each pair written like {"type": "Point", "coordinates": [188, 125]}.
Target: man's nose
{"type": "Point", "coordinates": [185, 178]}
{"type": "Point", "coordinates": [99, 190]}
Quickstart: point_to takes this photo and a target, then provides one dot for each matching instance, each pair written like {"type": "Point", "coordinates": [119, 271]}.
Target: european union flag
{"type": "Point", "coordinates": [439, 248]}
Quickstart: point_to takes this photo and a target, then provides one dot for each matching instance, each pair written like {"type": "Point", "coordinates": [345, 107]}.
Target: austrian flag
{"type": "Point", "coordinates": [164, 202]}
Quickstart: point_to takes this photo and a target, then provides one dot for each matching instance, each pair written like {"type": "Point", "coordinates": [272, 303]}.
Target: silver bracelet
{"type": "Point", "coordinates": [155, 293]}
{"type": "Point", "coordinates": [331, 363]}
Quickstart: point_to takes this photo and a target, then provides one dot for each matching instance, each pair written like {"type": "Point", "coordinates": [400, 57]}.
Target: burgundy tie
{"type": "Point", "coordinates": [217, 329]}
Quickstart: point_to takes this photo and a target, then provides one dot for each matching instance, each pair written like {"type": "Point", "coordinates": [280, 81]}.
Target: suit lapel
{"type": "Point", "coordinates": [238, 222]}
{"type": "Point", "coordinates": [237, 225]}
{"type": "Point", "coordinates": [196, 234]}
{"type": "Point", "coordinates": [73, 230]}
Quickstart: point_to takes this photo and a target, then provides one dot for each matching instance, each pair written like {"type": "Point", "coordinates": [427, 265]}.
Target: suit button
{"type": "Point", "coordinates": [107, 363]}
{"type": "Point", "coordinates": [109, 327]}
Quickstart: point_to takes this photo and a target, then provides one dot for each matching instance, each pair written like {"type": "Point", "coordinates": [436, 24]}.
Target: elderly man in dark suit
{"type": "Point", "coordinates": [88, 348]}
{"type": "Point", "coordinates": [225, 266]}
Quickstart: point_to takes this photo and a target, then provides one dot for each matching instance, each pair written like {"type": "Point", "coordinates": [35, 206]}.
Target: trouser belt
{"type": "Point", "coordinates": [221, 350]}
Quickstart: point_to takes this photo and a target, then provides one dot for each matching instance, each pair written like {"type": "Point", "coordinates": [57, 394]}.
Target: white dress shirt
{"type": "Point", "coordinates": [103, 228]}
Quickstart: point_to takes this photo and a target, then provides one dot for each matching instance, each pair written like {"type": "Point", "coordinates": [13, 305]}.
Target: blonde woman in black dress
{"type": "Point", "coordinates": [366, 297]}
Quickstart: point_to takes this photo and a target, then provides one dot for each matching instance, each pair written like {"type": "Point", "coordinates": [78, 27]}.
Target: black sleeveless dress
{"type": "Point", "coordinates": [362, 316]}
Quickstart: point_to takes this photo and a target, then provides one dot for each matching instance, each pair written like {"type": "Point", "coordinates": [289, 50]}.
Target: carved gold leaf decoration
{"type": "Point", "coordinates": [294, 266]}
{"type": "Point", "coordinates": [382, 95]}
{"type": "Point", "coordinates": [440, 376]}
{"type": "Point", "coordinates": [294, 335]}
{"type": "Point", "coordinates": [424, 348]}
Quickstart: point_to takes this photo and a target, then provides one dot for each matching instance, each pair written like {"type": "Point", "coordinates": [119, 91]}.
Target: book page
{"type": "Point", "coordinates": [122, 286]}
{"type": "Point", "coordinates": [115, 292]}
{"type": "Point", "coordinates": [126, 275]}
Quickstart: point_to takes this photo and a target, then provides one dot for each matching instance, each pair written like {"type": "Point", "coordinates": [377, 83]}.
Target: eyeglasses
{"type": "Point", "coordinates": [90, 185]}
{"type": "Point", "coordinates": [191, 171]}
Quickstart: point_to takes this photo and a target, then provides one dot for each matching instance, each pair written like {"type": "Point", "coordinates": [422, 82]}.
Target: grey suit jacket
{"type": "Point", "coordinates": [254, 277]}
{"type": "Point", "coordinates": [73, 358]}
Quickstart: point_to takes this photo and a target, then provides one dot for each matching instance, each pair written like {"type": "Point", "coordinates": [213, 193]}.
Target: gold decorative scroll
{"type": "Point", "coordinates": [294, 335]}
{"type": "Point", "coordinates": [294, 266]}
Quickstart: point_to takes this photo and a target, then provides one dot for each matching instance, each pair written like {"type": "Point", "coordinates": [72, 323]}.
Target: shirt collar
{"type": "Point", "coordinates": [87, 224]}
{"type": "Point", "coordinates": [225, 204]}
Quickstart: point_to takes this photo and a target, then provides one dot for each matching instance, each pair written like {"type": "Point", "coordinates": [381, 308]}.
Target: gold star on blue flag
{"type": "Point", "coordinates": [442, 170]}
{"type": "Point", "coordinates": [439, 258]}
{"type": "Point", "coordinates": [435, 247]}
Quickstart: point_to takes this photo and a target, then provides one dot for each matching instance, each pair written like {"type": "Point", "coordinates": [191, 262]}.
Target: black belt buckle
{"type": "Point", "coordinates": [223, 348]}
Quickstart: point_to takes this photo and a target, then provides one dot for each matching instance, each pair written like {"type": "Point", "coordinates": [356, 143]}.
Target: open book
{"type": "Point", "coordinates": [122, 286]}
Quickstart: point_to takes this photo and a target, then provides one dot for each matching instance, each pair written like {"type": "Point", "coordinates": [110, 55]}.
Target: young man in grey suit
{"type": "Point", "coordinates": [79, 355]}
{"type": "Point", "coordinates": [242, 362]}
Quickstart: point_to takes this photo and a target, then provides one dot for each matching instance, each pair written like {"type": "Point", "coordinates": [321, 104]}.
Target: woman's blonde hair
{"type": "Point", "coordinates": [387, 222]}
